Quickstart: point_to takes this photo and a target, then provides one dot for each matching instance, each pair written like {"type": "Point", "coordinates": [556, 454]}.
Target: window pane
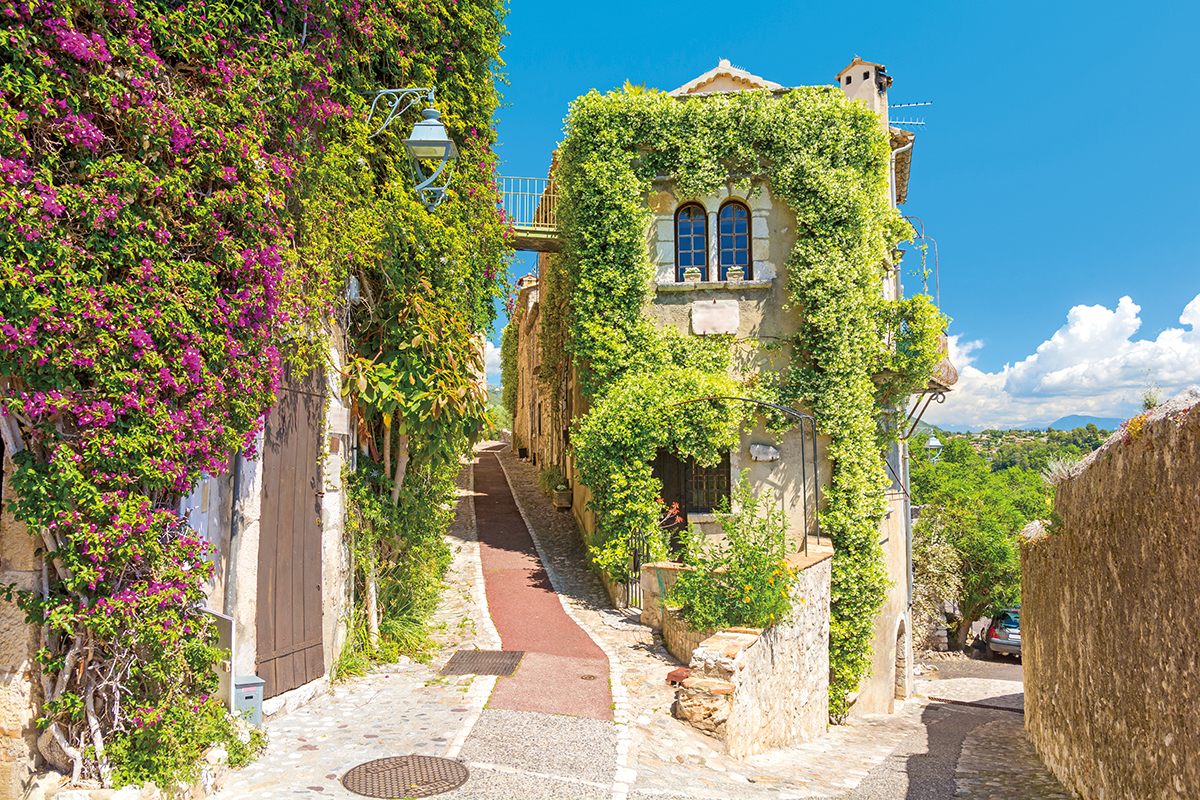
{"type": "Point", "coordinates": [743, 258]}
{"type": "Point", "coordinates": [741, 243]}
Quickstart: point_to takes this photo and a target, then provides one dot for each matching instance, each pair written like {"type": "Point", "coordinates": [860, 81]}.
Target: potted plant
{"type": "Point", "coordinates": [691, 275]}
{"type": "Point", "coordinates": [563, 497]}
{"type": "Point", "coordinates": [735, 274]}
{"type": "Point", "coordinates": [522, 450]}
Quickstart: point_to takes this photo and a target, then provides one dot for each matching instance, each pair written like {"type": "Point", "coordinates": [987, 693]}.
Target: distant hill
{"type": "Point", "coordinates": [1068, 423]}
{"type": "Point", "coordinates": [494, 393]}
{"type": "Point", "coordinates": [1074, 421]}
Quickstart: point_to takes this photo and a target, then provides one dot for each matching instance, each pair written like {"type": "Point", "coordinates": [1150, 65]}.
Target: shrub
{"type": "Point", "coordinates": [550, 479]}
{"type": "Point", "coordinates": [744, 580]}
{"type": "Point", "coordinates": [166, 744]}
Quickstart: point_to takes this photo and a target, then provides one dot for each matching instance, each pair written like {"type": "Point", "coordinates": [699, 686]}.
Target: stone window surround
{"type": "Point", "coordinates": [762, 268]}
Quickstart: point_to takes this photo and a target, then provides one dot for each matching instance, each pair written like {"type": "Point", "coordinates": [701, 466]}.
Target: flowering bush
{"type": "Point", "coordinates": [743, 580]}
{"type": "Point", "coordinates": [183, 186]}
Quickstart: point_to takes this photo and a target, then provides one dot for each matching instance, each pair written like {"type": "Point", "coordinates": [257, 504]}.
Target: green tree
{"type": "Point", "coordinates": [978, 512]}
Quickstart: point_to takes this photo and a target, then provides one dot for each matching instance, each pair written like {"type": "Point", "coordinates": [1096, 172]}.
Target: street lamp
{"type": "Point", "coordinates": [934, 447]}
{"type": "Point", "coordinates": [428, 141]}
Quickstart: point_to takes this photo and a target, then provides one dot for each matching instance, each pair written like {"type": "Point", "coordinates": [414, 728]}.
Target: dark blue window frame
{"type": "Point", "coordinates": [733, 239]}
{"type": "Point", "coordinates": [691, 240]}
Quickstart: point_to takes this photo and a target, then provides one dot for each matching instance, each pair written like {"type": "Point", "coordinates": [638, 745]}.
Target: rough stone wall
{"type": "Point", "coordinates": [19, 695]}
{"type": "Point", "coordinates": [760, 690]}
{"type": "Point", "coordinates": [1109, 610]}
{"type": "Point", "coordinates": [528, 359]}
{"type": "Point", "coordinates": [781, 693]}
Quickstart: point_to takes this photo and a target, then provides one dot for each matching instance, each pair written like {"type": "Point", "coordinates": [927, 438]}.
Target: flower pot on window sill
{"type": "Point", "coordinates": [736, 274]}
{"type": "Point", "coordinates": [691, 275]}
{"type": "Point", "coordinates": [562, 499]}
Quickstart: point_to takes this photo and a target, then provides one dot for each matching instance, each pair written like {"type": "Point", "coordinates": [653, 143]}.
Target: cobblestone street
{"type": "Point", "coordinates": [644, 753]}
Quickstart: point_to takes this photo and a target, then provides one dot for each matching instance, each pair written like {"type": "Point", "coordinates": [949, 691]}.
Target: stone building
{"type": "Point", "coordinates": [759, 231]}
{"type": "Point", "coordinates": [280, 584]}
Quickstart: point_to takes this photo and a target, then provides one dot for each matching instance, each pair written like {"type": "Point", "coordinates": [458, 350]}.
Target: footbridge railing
{"type": "Point", "coordinates": [531, 205]}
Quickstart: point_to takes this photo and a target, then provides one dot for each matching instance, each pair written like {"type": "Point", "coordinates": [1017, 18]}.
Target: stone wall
{"type": "Point", "coordinates": [759, 690]}
{"type": "Point", "coordinates": [19, 692]}
{"type": "Point", "coordinates": [1109, 605]}
{"type": "Point", "coordinates": [781, 693]}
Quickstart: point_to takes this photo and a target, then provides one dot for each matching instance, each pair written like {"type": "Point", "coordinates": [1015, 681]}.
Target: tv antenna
{"type": "Point", "coordinates": [909, 123]}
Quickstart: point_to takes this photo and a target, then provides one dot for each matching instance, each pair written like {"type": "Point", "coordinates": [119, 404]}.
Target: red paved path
{"type": "Point", "coordinates": [528, 615]}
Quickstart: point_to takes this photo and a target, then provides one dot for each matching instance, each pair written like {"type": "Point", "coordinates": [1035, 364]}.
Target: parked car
{"type": "Point", "coordinates": [1004, 634]}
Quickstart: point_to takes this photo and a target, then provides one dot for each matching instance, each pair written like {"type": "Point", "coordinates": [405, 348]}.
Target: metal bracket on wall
{"type": "Point", "coordinates": [933, 394]}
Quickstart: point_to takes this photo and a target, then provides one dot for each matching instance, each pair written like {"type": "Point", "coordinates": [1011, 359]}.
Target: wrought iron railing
{"type": "Point", "coordinates": [530, 202]}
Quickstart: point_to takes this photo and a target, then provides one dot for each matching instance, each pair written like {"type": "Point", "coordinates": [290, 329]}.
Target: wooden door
{"type": "Point", "coordinates": [290, 651]}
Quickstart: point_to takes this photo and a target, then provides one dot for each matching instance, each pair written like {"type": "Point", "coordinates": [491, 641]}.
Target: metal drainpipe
{"type": "Point", "coordinates": [907, 521]}
{"type": "Point", "coordinates": [904, 448]}
{"type": "Point", "coordinates": [234, 520]}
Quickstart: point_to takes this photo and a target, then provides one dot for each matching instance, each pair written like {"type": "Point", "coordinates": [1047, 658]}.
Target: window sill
{"type": "Point", "coordinates": [702, 517]}
{"type": "Point", "coordinates": [699, 286]}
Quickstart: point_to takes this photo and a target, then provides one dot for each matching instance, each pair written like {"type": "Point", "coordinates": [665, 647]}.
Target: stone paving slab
{"type": "Point", "coordinates": [999, 763]}
{"type": "Point", "coordinates": [398, 709]}
{"type": "Point", "coordinates": [999, 694]}
{"type": "Point", "coordinates": [386, 714]}
{"type": "Point", "coordinates": [551, 744]}
{"type": "Point", "coordinates": [494, 784]}
{"type": "Point", "coordinates": [407, 707]}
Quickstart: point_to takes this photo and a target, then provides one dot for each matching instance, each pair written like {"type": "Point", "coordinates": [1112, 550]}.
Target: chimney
{"type": "Point", "coordinates": [869, 82]}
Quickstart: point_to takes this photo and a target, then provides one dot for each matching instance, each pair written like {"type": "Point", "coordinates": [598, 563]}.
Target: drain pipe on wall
{"type": "Point", "coordinates": [234, 522]}
{"type": "Point", "coordinates": [908, 528]}
{"type": "Point", "coordinates": [904, 442]}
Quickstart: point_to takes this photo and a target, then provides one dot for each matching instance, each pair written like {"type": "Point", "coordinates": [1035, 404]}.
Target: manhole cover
{"type": "Point", "coordinates": [405, 776]}
{"type": "Point", "coordinates": [483, 662]}
{"type": "Point", "coordinates": [587, 677]}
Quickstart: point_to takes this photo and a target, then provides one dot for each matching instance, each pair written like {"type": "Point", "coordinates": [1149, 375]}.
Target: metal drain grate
{"type": "Point", "coordinates": [405, 776]}
{"type": "Point", "coordinates": [483, 662]}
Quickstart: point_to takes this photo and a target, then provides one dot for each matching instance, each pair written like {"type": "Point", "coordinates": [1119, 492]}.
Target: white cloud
{"type": "Point", "coordinates": [491, 363]}
{"type": "Point", "coordinates": [1091, 365]}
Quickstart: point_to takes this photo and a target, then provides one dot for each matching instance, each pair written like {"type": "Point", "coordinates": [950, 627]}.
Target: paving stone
{"type": "Point", "coordinates": [406, 707]}
{"type": "Point", "coordinates": [998, 763]}
{"type": "Point", "coordinates": [994, 693]}
{"type": "Point", "coordinates": [398, 709]}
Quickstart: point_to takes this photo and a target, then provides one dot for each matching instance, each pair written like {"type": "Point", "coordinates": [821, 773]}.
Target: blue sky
{"type": "Point", "coordinates": [1058, 171]}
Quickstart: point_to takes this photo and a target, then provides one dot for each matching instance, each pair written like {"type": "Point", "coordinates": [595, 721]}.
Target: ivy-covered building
{"type": "Point", "coordinates": [736, 237]}
{"type": "Point", "coordinates": [239, 357]}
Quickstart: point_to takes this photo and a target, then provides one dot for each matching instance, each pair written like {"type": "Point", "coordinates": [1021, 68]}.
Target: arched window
{"type": "Point", "coordinates": [734, 238]}
{"type": "Point", "coordinates": [691, 240]}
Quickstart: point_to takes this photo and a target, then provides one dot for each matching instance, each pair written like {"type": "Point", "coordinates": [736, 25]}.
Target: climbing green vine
{"type": "Point", "coordinates": [827, 159]}
{"type": "Point", "coordinates": [508, 367]}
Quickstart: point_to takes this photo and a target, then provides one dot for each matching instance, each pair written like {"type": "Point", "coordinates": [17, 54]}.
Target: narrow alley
{"type": "Point", "coordinates": [587, 712]}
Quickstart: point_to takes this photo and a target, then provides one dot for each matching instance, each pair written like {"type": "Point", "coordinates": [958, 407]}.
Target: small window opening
{"type": "Point", "coordinates": [848, 79]}
{"type": "Point", "coordinates": [867, 75]}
